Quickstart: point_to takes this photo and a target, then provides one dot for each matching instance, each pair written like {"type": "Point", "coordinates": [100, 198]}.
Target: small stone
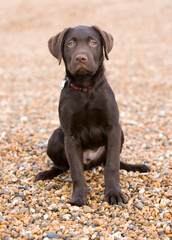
{"type": "Point", "coordinates": [53, 235]}
{"type": "Point", "coordinates": [22, 187]}
{"type": "Point", "coordinates": [53, 206]}
{"type": "Point", "coordinates": [46, 216]}
{"type": "Point", "coordinates": [14, 179]}
{"type": "Point", "coordinates": [15, 202]}
{"type": "Point", "coordinates": [156, 176]}
{"type": "Point", "coordinates": [117, 235]}
{"type": "Point", "coordinates": [139, 205]}
{"type": "Point", "coordinates": [21, 168]}
{"type": "Point", "coordinates": [131, 227]}
{"type": "Point", "coordinates": [122, 114]}
{"type": "Point", "coordinates": [23, 119]}
{"type": "Point", "coordinates": [167, 215]}
{"type": "Point", "coordinates": [54, 122]}
{"type": "Point", "coordinates": [94, 236]}
{"type": "Point", "coordinates": [32, 210]}
{"type": "Point", "coordinates": [84, 238]}
{"type": "Point", "coordinates": [48, 188]}
{"type": "Point", "coordinates": [161, 233]}
{"type": "Point", "coordinates": [56, 187]}
{"type": "Point", "coordinates": [117, 222]}
{"type": "Point", "coordinates": [76, 209]}
{"type": "Point", "coordinates": [98, 222]}
{"type": "Point", "coordinates": [130, 122]}
{"type": "Point", "coordinates": [168, 194]}
{"type": "Point", "coordinates": [5, 192]}
{"type": "Point", "coordinates": [142, 191]}
{"type": "Point", "coordinates": [164, 202]}
{"type": "Point", "coordinates": [23, 197]}
{"type": "Point", "coordinates": [41, 144]}
{"type": "Point", "coordinates": [66, 217]}
{"type": "Point", "coordinates": [87, 209]}
{"type": "Point", "coordinates": [85, 230]}
{"type": "Point", "coordinates": [168, 229]}
{"type": "Point", "coordinates": [29, 235]}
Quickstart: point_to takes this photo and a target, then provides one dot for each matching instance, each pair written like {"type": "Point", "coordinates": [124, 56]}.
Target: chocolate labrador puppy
{"type": "Point", "coordinates": [90, 132]}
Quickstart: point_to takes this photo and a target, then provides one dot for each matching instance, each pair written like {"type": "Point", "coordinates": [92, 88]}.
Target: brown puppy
{"type": "Point", "coordinates": [90, 132]}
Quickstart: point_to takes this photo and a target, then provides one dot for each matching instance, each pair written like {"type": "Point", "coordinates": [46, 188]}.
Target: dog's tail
{"type": "Point", "coordinates": [134, 167]}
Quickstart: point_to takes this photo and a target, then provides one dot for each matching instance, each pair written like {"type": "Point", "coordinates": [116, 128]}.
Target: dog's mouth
{"type": "Point", "coordinates": [82, 69]}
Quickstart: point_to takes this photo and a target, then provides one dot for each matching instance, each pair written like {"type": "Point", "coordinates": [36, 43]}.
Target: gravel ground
{"type": "Point", "coordinates": [30, 79]}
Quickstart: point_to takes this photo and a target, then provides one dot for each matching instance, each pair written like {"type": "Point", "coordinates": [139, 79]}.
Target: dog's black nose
{"type": "Point", "coordinates": [81, 58]}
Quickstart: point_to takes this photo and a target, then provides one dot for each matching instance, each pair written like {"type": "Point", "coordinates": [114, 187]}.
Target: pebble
{"type": "Point", "coordinates": [168, 194]}
{"type": "Point", "coordinates": [5, 192]}
{"type": "Point", "coordinates": [139, 205]}
{"type": "Point", "coordinates": [32, 210]}
{"type": "Point", "coordinates": [46, 216]}
{"type": "Point", "coordinates": [53, 206]}
{"type": "Point", "coordinates": [156, 176]}
{"type": "Point", "coordinates": [53, 235]}
{"type": "Point", "coordinates": [131, 227]}
{"type": "Point", "coordinates": [117, 235]}
{"type": "Point", "coordinates": [29, 235]}
{"type": "Point", "coordinates": [18, 196]}
{"type": "Point", "coordinates": [41, 144]}
{"type": "Point", "coordinates": [130, 122]}
{"type": "Point", "coordinates": [98, 222]}
{"type": "Point", "coordinates": [48, 188]}
{"type": "Point", "coordinates": [66, 217]}
{"type": "Point", "coordinates": [23, 119]}
{"type": "Point", "coordinates": [15, 202]}
{"type": "Point", "coordinates": [76, 209]}
{"type": "Point", "coordinates": [87, 209]}
{"type": "Point", "coordinates": [164, 202]}
{"type": "Point", "coordinates": [142, 191]}
{"type": "Point", "coordinates": [22, 187]}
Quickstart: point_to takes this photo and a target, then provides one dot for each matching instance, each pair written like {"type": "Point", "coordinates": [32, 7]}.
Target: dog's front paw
{"type": "Point", "coordinates": [115, 197]}
{"type": "Point", "coordinates": [78, 200]}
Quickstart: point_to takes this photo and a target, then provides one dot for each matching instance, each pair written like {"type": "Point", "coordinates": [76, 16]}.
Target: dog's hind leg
{"type": "Point", "coordinates": [56, 152]}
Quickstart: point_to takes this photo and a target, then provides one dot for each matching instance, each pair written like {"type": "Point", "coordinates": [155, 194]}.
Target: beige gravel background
{"type": "Point", "coordinates": [139, 72]}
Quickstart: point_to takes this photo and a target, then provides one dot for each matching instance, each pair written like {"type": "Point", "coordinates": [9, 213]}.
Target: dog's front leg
{"type": "Point", "coordinates": [112, 186]}
{"type": "Point", "coordinates": [75, 158]}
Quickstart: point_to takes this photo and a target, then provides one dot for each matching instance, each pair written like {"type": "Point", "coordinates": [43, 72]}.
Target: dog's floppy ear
{"type": "Point", "coordinates": [55, 45]}
{"type": "Point", "coordinates": [107, 41]}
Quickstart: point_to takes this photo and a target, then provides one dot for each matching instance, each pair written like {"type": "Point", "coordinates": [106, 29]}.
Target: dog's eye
{"type": "Point", "coordinates": [71, 43]}
{"type": "Point", "coordinates": [93, 43]}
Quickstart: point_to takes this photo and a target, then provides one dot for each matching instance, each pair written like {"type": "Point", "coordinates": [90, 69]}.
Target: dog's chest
{"type": "Point", "coordinates": [84, 116]}
{"type": "Point", "coordinates": [88, 126]}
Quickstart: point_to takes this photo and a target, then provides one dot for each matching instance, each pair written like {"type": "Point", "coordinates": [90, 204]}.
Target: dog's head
{"type": "Point", "coordinates": [81, 48]}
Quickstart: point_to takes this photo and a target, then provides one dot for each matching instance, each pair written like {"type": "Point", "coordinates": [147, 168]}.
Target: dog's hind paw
{"type": "Point", "coordinates": [50, 174]}
{"type": "Point", "coordinates": [44, 175]}
{"type": "Point", "coordinates": [41, 176]}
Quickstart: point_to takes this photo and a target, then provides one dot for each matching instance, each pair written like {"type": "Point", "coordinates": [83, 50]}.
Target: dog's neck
{"type": "Point", "coordinates": [88, 80]}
